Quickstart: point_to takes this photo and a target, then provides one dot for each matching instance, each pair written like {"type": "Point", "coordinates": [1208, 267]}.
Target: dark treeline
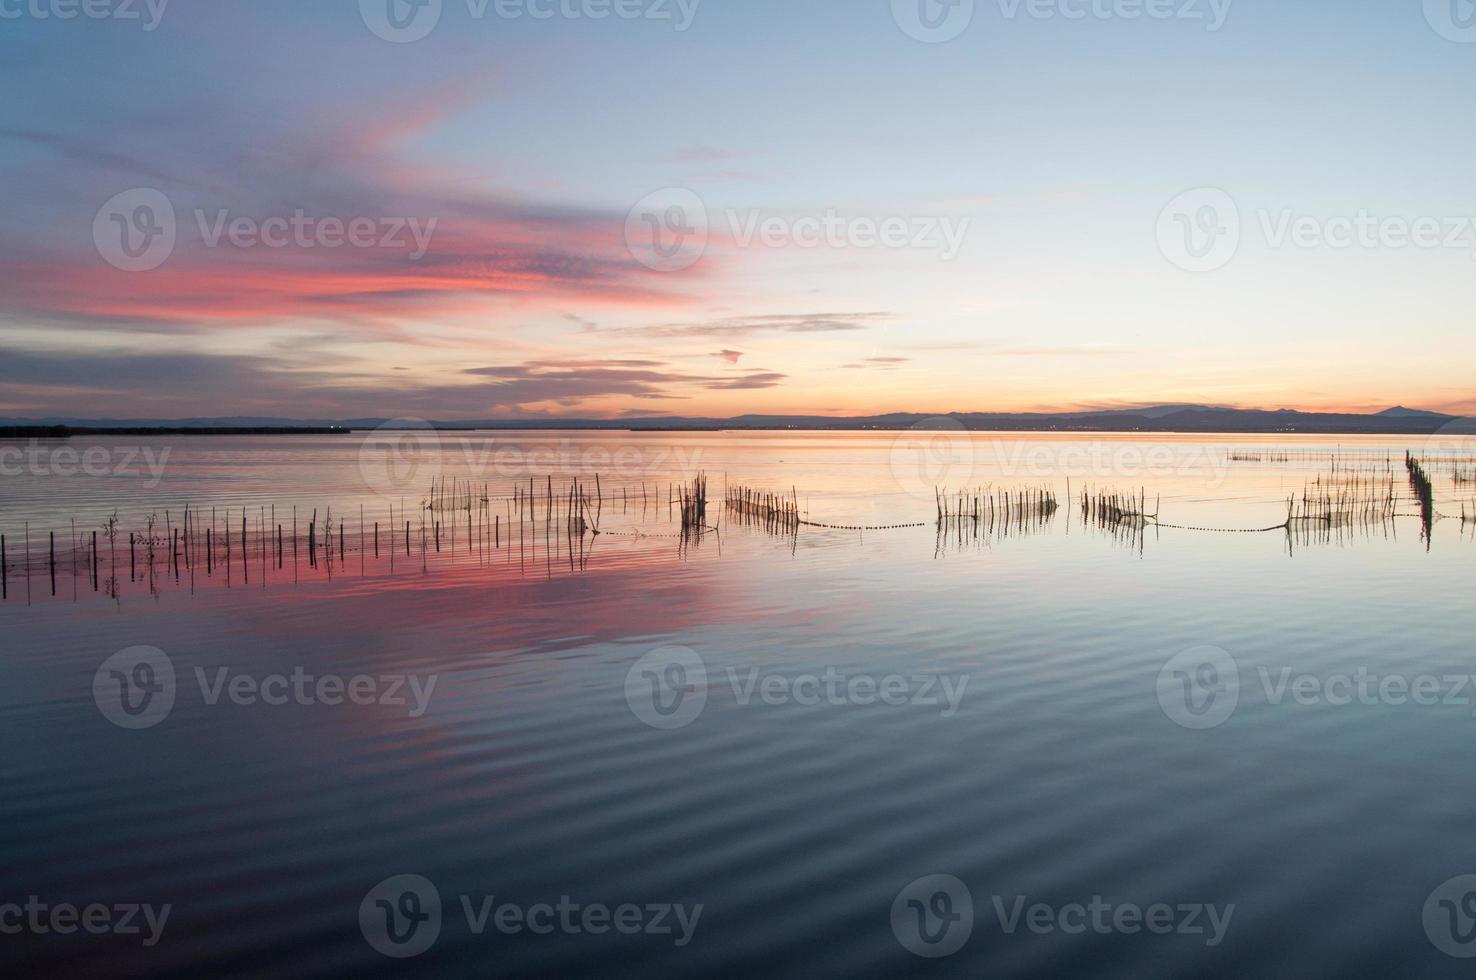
{"type": "Point", "coordinates": [66, 431]}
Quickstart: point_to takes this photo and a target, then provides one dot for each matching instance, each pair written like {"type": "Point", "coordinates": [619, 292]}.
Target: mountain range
{"type": "Point", "coordinates": [1157, 418]}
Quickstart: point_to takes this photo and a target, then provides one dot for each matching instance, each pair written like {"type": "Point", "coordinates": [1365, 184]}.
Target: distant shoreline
{"type": "Point", "coordinates": [59, 432]}
{"type": "Point", "coordinates": [1163, 419]}
{"type": "Point", "coordinates": [67, 431]}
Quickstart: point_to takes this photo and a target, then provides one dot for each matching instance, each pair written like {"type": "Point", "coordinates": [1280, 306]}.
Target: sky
{"type": "Point", "coordinates": [457, 209]}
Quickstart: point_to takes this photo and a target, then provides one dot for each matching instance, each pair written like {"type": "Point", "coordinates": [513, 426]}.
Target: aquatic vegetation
{"type": "Point", "coordinates": [989, 506]}
{"type": "Point", "coordinates": [764, 508]}
{"type": "Point", "coordinates": [1424, 490]}
{"type": "Point", "coordinates": [1343, 502]}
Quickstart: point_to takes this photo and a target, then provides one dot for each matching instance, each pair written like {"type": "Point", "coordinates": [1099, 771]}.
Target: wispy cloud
{"type": "Point", "coordinates": [766, 323]}
{"type": "Point", "coordinates": [476, 247]}
{"type": "Point", "coordinates": [699, 153]}
{"type": "Point", "coordinates": [567, 382]}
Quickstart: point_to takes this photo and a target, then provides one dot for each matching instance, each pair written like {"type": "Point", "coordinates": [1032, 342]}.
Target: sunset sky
{"type": "Point", "coordinates": [1049, 147]}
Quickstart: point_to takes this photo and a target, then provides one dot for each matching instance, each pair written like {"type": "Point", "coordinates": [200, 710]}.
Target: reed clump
{"type": "Point", "coordinates": [1339, 501]}
{"type": "Point", "coordinates": [1424, 491]}
{"type": "Point", "coordinates": [774, 512]}
{"type": "Point", "coordinates": [988, 506]}
{"type": "Point", "coordinates": [987, 512]}
{"type": "Point", "coordinates": [1112, 507]}
{"type": "Point", "coordinates": [693, 501]}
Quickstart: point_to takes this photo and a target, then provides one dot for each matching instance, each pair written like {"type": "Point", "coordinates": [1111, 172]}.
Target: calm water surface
{"type": "Point", "coordinates": [1036, 743]}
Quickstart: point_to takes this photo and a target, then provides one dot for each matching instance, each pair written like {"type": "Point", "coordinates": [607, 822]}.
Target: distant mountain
{"type": "Point", "coordinates": [1156, 418]}
{"type": "Point", "coordinates": [1153, 412]}
{"type": "Point", "coordinates": [1400, 412]}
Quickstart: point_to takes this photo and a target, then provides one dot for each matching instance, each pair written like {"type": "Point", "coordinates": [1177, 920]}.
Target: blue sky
{"type": "Point", "coordinates": [1051, 146]}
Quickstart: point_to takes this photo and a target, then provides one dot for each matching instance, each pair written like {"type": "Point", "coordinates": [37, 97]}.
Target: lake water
{"type": "Point", "coordinates": [1042, 747]}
